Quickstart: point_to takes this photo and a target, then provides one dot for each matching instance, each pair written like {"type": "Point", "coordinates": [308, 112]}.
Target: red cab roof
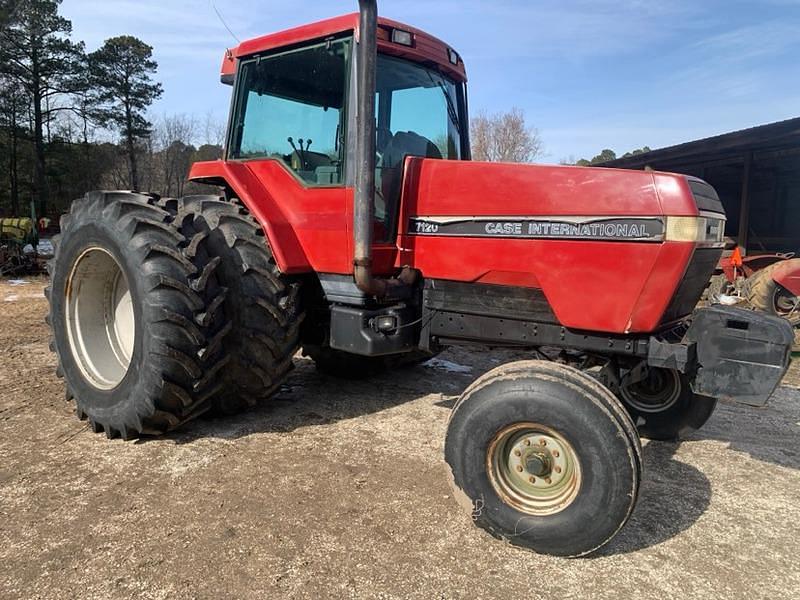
{"type": "Point", "coordinates": [426, 48]}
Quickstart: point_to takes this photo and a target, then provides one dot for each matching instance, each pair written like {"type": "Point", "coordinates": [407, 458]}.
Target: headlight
{"type": "Point", "coordinates": [707, 230]}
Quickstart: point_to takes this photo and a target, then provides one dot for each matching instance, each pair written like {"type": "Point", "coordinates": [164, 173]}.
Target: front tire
{"type": "Point", "coordinates": [664, 407]}
{"type": "Point", "coordinates": [543, 456]}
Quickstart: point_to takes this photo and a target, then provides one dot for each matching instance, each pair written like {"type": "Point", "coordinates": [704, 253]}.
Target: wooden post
{"type": "Point", "coordinates": [744, 213]}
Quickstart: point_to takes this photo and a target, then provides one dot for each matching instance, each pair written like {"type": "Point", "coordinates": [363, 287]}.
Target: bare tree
{"type": "Point", "coordinates": [213, 130]}
{"type": "Point", "coordinates": [175, 136]}
{"type": "Point", "coordinates": [504, 137]}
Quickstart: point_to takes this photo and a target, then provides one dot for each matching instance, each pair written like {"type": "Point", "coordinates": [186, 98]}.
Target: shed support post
{"type": "Point", "coordinates": [744, 213]}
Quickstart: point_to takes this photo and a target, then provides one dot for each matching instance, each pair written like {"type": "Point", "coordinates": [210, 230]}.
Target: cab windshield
{"type": "Point", "coordinates": [418, 114]}
{"type": "Point", "coordinates": [412, 99]}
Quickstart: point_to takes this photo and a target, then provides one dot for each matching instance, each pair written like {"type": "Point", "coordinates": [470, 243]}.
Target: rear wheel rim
{"type": "Point", "coordinates": [787, 305]}
{"type": "Point", "coordinates": [533, 468]}
{"type": "Point", "coordinates": [101, 323]}
{"type": "Point", "coordinates": [658, 392]}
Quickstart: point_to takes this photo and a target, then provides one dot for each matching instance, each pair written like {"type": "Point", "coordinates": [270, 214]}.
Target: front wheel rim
{"type": "Point", "coordinates": [659, 391]}
{"type": "Point", "coordinates": [100, 320]}
{"type": "Point", "coordinates": [534, 469]}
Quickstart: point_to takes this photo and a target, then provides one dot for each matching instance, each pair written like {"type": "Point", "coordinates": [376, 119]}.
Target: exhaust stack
{"type": "Point", "coordinates": [363, 209]}
{"type": "Point", "coordinates": [364, 202]}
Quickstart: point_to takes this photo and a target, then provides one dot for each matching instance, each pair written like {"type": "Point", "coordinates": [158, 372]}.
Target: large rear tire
{"type": "Point", "coordinates": [544, 457]}
{"type": "Point", "coordinates": [126, 316]}
{"type": "Point", "coordinates": [664, 407]}
{"type": "Point", "coordinates": [261, 314]}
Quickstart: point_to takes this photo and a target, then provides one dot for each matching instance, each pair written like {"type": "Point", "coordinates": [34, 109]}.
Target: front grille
{"type": "Point", "coordinates": [698, 273]}
{"type": "Point", "coordinates": [705, 196]}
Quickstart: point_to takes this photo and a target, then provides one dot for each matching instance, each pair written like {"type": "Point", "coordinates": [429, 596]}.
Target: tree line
{"type": "Point", "coordinates": [72, 120]}
{"type": "Point", "coordinates": [607, 155]}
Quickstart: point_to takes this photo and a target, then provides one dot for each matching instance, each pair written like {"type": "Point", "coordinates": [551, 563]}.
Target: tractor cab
{"type": "Point", "coordinates": [295, 102]}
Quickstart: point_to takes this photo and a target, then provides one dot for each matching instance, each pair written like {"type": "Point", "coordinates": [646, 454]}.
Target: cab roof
{"type": "Point", "coordinates": [425, 48]}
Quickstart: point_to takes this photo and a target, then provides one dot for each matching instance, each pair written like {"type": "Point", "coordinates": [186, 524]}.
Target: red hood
{"type": "Point", "coordinates": [476, 188]}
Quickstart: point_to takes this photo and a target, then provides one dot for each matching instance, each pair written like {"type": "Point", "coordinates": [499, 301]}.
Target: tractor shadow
{"type": "Point", "coordinates": [310, 398]}
{"type": "Point", "coordinates": [674, 495]}
{"type": "Point", "coordinates": [768, 434]}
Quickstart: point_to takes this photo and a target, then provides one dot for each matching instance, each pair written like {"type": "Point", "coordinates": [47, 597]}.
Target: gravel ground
{"type": "Point", "coordinates": [338, 489]}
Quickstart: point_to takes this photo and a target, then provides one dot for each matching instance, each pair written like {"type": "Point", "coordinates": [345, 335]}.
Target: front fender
{"type": "Point", "coordinates": [281, 236]}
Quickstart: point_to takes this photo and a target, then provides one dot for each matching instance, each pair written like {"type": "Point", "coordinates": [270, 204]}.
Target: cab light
{"type": "Point", "coordinates": [452, 55]}
{"type": "Point", "coordinates": [404, 38]}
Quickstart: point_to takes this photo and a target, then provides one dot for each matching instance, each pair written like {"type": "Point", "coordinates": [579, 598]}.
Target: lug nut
{"type": "Point", "coordinates": [557, 469]}
{"type": "Point", "coordinates": [519, 468]}
{"type": "Point", "coordinates": [527, 442]}
{"type": "Point", "coordinates": [543, 442]}
{"type": "Point", "coordinates": [532, 479]}
{"type": "Point", "coordinates": [517, 453]}
{"type": "Point", "coordinates": [555, 453]}
{"type": "Point", "coordinates": [548, 480]}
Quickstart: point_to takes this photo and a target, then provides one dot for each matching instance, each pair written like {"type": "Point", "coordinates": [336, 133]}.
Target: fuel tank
{"type": "Point", "coordinates": [608, 250]}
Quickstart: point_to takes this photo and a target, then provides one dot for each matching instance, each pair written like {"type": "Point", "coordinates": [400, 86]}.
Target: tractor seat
{"type": "Point", "coordinates": [389, 176]}
{"type": "Point", "coordinates": [407, 143]}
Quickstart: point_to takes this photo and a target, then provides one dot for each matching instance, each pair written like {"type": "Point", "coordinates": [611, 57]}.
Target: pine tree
{"type": "Point", "coordinates": [37, 55]}
{"type": "Point", "coordinates": [122, 71]}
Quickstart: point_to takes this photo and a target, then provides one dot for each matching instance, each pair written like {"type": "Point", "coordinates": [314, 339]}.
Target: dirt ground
{"type": "Point", "coordinates": [338, 489]}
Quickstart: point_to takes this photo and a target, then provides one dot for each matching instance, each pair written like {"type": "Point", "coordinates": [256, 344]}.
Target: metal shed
{"type": "Point", "coordinates": [756, 173]}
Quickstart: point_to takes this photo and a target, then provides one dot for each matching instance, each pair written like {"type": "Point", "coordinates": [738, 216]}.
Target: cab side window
{"type": "Point", "coordinates": [291, 107]}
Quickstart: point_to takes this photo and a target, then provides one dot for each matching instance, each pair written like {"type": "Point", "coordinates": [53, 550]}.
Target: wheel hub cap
{"type": "Point", "coordinates": [539, 464]}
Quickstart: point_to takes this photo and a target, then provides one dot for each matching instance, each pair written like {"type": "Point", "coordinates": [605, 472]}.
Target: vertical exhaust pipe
{"type": "Point", "coordinates": [363, 209]}
{"type": "Point", "coordinates": [364, 202]}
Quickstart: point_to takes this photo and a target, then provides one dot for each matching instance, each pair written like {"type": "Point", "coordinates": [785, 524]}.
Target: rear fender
{"type": "Point", "coordinates": [281, 236]}
{"type": "Point", "coordinates": [787, 274]}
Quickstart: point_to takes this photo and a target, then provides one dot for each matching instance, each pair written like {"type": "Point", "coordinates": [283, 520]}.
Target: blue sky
{"type": "Point", "coordinates": [589, 74]}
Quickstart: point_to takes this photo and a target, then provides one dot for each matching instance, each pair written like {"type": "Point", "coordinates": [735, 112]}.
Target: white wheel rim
{"type": "Point", "coordinates": [549, 489]}
{"type": "Point", "coordinates": [101, 324]}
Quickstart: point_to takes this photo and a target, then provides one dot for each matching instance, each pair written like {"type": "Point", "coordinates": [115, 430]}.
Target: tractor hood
{"type": "Point", "coordinates": [610, 249]}
{"type": "Point", "coordinates": [458, 188]}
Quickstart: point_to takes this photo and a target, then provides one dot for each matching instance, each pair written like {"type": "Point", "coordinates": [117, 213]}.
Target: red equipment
{"type": "Point", "coordinates": [766, 282]}
{"type": "Point", "coordinates": [385, 244]}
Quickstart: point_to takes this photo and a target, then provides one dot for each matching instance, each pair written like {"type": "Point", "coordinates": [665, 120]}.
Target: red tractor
{"type": "Point", "coordinates": [352, 223]}
{"type": "Point", "coordinates": [765, 282]}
